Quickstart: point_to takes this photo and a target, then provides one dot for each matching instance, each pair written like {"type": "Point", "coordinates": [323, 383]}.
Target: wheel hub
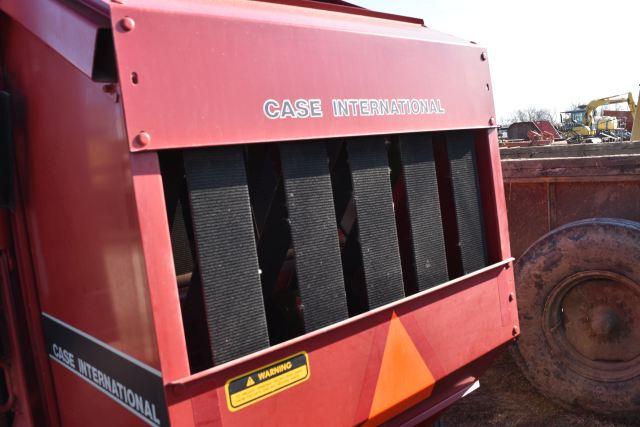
{"type": "Point", "coordinates": [592, 321]}
{"type": "Point", "coordinates": [604, 321]}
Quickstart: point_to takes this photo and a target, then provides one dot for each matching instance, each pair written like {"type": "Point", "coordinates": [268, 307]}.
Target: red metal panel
{"type": "Point", "coordinates": [493, 199]}
{"type": "Point", "coordinates": [75, 179]}
{"type": "Point", "coordinates": [235, 55]}
{"type": "Point", "coordinates": [14, 370]}
{"type": "Point", "coordinates": [345, 7]}
{"type": "Point", "coordinates": [551, 186]}
{"type": "Point", "coordinates": [528, 210]}
{"type": "Point", "coordinates": [345, 358]}
{"type": "Point", "coordinates": [496, 218]}
{"type": "Point", "coordinates": [547, 126]}
{"type": "Point", "coordinates": [605, 199]}
{"type": "Point", "coordinates": [81, 404]}
{"type": "Point", "coordinates": [71, 31]}
{"type": "Point", "coordinates": [34, 338]}
{"type": "Point", "coordinates": [161, 274]}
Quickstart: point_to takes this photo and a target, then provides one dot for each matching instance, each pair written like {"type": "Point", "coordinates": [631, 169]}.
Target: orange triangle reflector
{"type": "Point", "coordinates": [404, 378]}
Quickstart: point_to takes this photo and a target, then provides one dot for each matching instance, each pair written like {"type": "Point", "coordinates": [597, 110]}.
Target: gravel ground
{"type": "Point", "coordinates": [505, 397]}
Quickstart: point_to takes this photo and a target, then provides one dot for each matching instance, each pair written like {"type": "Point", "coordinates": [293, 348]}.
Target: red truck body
{"type": "Point", "coordinates": [105, 95]}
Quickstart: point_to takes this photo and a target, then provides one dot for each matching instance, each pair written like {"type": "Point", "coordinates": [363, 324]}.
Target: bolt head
{"type": "Point", "coordinates": [492, 121]}
{"type": "Point", "coordinates": [483, 56]}
{"type": "Point", "coordinates": [109, 88]}
{"type": "Point", "coordinates": [127, 23]}
{"type": "Point", "coordinates": [515, 330]}
{"type": "Point", "coordinates": [511, 296]}
{"type": "Point", "coordinates": [143, 139]}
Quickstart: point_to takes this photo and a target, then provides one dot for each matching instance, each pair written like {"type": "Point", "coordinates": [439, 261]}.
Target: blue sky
{"type": "Point", "coordinates": [546, 54]}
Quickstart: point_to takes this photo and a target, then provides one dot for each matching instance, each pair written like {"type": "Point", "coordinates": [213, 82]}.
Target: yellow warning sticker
{"type": "Point", "coordinates": [264, 382]}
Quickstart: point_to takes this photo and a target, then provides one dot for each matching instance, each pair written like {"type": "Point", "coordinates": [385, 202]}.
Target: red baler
{"type": "Point", "coordinates": [245, 213]}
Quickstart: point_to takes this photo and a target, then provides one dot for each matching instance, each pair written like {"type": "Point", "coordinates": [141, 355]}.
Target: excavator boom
{"type": "Point", "coordinates": [615, 99]}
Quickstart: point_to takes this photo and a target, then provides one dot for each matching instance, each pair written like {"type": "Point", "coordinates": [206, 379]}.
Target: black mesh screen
{"type": "Point", "coordinates": [276, 240]}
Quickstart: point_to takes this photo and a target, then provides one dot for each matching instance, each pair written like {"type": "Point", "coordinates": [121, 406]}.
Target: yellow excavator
{"type": "Point", "coordinates": [583, 123]}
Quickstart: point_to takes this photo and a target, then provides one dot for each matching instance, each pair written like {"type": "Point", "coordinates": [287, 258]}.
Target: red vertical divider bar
{"type": "Point", "coordinates": [161, 277]}
{"type": "Point", "coordinates": [492, 193]}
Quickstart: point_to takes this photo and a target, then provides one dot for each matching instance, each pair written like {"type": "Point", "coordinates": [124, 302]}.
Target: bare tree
{"type": "Point", "coordinates": [530, 114]}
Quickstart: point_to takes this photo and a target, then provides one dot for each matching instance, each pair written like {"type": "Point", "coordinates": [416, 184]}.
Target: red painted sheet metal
{"type": "Point", "coordinates": [494, 198]}
{"type": "Point", "coordinates": [14, 365]}
{"type": "Point", "coordinates": [103, 7]}
{"type": "Point", "coordinates": [345, 359]}
{"type": "Point", "coordinates": [70, 29]}
{"type": "Point", "coordinates": [204, 70]}
{"type": "Point", "coordinates": [80, 215]}
{"type": "Point", "coordinates": [24, 267]}
{"type": "Point", "coordinates": [163, 294]}
{"type": "Point", "coordinates": [99, 6]}
{"type": "Point", "coordinates": [343, 6]}
{"type": "Point", "coordinates": [547, 126]}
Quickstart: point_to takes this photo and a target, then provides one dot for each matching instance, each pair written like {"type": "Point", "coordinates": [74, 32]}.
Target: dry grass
{"type": "Point", "coordinates": [506, 398]}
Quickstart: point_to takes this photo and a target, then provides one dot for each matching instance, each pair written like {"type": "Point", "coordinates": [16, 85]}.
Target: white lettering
{"type": "Point", "coordinates": [353, 104]}
{"type": "Point", "coordinates": [303, 108]}
{"type": "Point", "coordinates": [103, 381]}
{"type": "Point", "coordinates": [147, 409]}
{"type": "Point", "coordinates": [64, 356]}
{"type": "Point", "coordinates": [316, 107]}
{"type": "Point", "coordinates": [402, 103]}
{"type": "Point", "coordinates": [83, 367]}
{"type": "Point", "coordinates": [139, 403]}
{"type": "Point", "coordinates": [394, 107]}
{"type": "Point", "coordinates": [94, 375]}
{"type": "Point", "coordinates": [296, 109]}
{"type": "Point", "coordinates": [364, 107]}
{"type": "Point", "coordinates": [415, 106]}
{"type": "Point", "coordinates": [131, 398]}
{"type": "Point", "coordinates": [384, 107]}
{"type": "Point", "coordinates": [339, 107]}
{"type": "Point", "coordinates": [155, 417]}
{"type": "Point", "coordinates": [374, 107]}
{"type": "Point", "coordinates": [434, 107]}
{"type": "Point", "coordinates": [286, 111]}
{"type": "Point", "coordinates": [270, 108]}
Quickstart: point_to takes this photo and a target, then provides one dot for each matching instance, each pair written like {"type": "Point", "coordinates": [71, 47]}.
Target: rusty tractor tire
{"type": "Point", "coordinates": [579, 308]}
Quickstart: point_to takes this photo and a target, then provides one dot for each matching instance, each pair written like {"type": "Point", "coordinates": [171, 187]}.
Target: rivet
{"type": "Point", "coordinates": [511, 296]}
{"type": "Point", "coordinates": [143, 139]}
{"type": "Point", "coordinates": [492, 121]}
{"type": "Point", "coordinates": [127, 23]}
{"type": "Point", "coordinates": [515, 330]}
{"type": "Point", "coordinates": [483, 56]}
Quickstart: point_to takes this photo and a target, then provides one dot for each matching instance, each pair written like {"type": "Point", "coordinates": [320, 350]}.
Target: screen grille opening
{"type": "Point", "coordinates": [272, 241]}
